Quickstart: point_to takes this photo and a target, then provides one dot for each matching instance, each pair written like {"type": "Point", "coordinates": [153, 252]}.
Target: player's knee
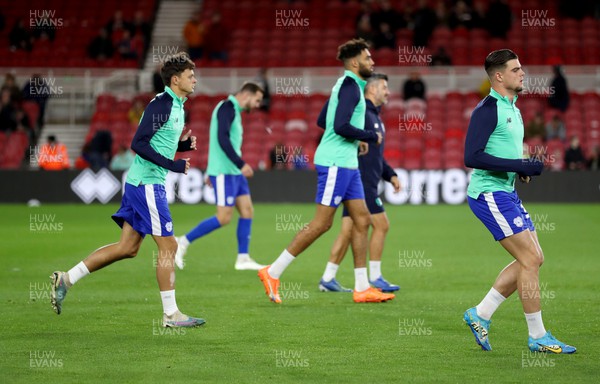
{"type": "Point", "coordinates": [382, 227]}
{"type": "Point", "coordinates": [130, 250]}
{"type": "Point", "coordinates": [533, 259]}
{"type": "Point", "coordinates": [247, 213]}
{"type": "Point", "coordinates": [362, 223]}
{"type": "Point", "coordinates": [224, 219]}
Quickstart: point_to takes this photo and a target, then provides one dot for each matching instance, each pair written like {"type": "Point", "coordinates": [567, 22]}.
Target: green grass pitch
{"type": "Point", "coordinates": [443, 258]}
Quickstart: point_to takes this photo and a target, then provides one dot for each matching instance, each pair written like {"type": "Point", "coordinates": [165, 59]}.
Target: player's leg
{"type": "Point", "coordinates": [381, 226]}
{"type": "Point", "coordinates": [165, 276]}
{"type": "Point", "coordinates": [223, 186]}
{"type": "Point", "coordinates": [127, 247]}
{"type": "Point", "coordinates": [243, 204]}
{"type": "Point", "coordinates": [361, 218]}
{"type": "Point", "coordinates": [339, 248]}
{"type": "Point", "coordinates": [320, 224]}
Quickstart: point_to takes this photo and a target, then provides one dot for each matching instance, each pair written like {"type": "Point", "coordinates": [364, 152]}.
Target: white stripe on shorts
{"type": "Point", "coordinates": [154, 216]}
{"type": "Point", "coordinates": [329, 185]}
{"type": "Point", "coordinates": [504, 226]}
{"type": "Point", "coordinates": [220, 187]}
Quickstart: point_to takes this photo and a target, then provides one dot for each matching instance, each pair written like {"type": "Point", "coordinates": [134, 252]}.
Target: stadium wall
{"type": "Point", "coordinates": [419, 187]}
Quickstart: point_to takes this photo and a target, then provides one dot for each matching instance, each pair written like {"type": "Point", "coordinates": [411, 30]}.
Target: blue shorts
{"type": "Point", "coordinates": [502, 213]}
{"type": "Point", "coordinates": [337, 184]}
{"type": "Point", "coordinates": [145, 208]}
{"type": "Point", "coordinates": [374, 203]}
{"type": "Point", "coordinates": [228, 188]}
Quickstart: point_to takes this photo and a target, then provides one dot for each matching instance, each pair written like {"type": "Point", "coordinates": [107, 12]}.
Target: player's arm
{"type": "Point", "coordinates": [322, 119]}
{"type": "Point", "coordinates": [145, 132]}
{"type": "Point", "coordinates": [187, 142]}
{"type": "Point", "coordinates": [225, 117]}
{"type": "Point", "coordinates": [482, 125]}
{"type": "Point", "coordinates": [387, 172]}
{"type": "Point", "coordinates": [348, 98]}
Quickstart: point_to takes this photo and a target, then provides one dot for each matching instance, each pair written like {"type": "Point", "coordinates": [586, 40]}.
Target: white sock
{"type": "Point", "coordinates": [330, 271]}
{"type": "Point", "coordinates": [535, 324]}
{"type": "Point", "coordinates": [183, 241]}
{"type": "Point", "coordinates": [279, 265]}
{"type": "Point", "coordinates": [374, 270]}
{"type": "Point", "coordinates": [168, 302]}
{"type": "Point", "coordinates": [489, 304]}
{"type": "Point", "coordinates": [361, 283]}
{"type": "Point", "coordinates": [77, 272]}
{"type": "Point", "coordinates": [243, 256]}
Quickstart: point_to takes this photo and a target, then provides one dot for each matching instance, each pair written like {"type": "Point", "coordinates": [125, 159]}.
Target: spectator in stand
{"type": "Point", "coordinates": [193, 33]}
{"type": "Point", "coordinates": [135, 112]}
{"type": "Point", "coordinates": [217, 37]}
{"type": "Point", "coordinates": [442, 14]}
{"type": "Point", "coordinates": [157, 83]}
{"type": "Point", "coordinates": [10, 84]}
{"type": "Point", "coordinates": [53, 155]}
{"type": "Point", "coordinates": [100, 150]}
{"type": "Point", "coordinates": [384, 38]}
{"type": "Point", "coordinates": [560, 98]}
{"type": "Point", "coordinates": [555, 129]}
{"type": "Point", "coordinates": [535, 128]}
{"type": "Point", "coordinates": [116, 27]}
{"type": "Point", "coordinates": [498, 18]}
{"type": "Point", "coordinates": [101, 46]}
{"type": "Point", "coordinates": [262, 80]}
{"type": "Point", "coordinates": [364, 30]}
{"type": "Point", "coordinates": [441, 58]}
{"type": "Point", "coordinates": [19, 37]}
{"type": "Point", "coordinates": [277, 157]}
{"type": "Point", "coordinates": [45, 25]}
{"type": "Point", "coordinates": [122, 160]}
{"type": "Point", "coordinates": [141, 28]}
{"type": "Point", "coordinates": [461, 16]}
{"type": "Point", "coordinates": [388, 15]}
{"type": "Point", "coordinates": [128, 48]}
{"type": "Point", "coordinates": [8, 121]}
{"type": "Point", "coordinates": [83, 161]}
{"type": "Point", "coordinates": [414, 87]}
{"type": "Point", "coordinates": [593, 163]}
{"type": "Point", "coordinates": [574, 157]}
{"type": "Point", "coordinates": [424, 22]}
{"type": "Point", "coordinates": [37, 90]}
{"type": "Point", "coordinates": [43, 44]}
{"type": "Point", "coordinates": [479, 15]}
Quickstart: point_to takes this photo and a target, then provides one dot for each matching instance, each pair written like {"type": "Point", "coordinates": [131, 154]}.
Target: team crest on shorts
{"type": "Point", "coordinates": [378, 202]}
{"type": "Point", "coordinates": [230, 199]}
{"type": "Point", "coordinates": [337, 200]}
{"type": "Point", "coordinates": [518, 221]}
{"type": "Point", "coordinates": [169, 226]}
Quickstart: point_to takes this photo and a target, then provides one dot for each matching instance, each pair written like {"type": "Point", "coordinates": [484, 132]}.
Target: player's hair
{"type": "Point", "coordinates": [252, 87]}
{"type": "Point", "coordinates": [374, 78]}
{"type": "Point", "coordinates": [174, 65]}
{"type": "Point", "coordinates": [496, 60]}
{"type": "Point", "coordinates": [351, 48]}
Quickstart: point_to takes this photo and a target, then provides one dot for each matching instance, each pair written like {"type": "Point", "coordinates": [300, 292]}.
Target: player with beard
{"type": "Point", "coordinates": [336, 161]}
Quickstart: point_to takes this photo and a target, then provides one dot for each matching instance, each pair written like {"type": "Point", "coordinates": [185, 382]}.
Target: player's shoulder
{"type": "Point", "coordinates": [486, 106]}
{"type": "Point", "coordinates": [161, 102]}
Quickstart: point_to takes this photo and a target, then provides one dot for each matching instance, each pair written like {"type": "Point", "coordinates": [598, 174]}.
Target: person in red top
{"type": "Point", "coordinates": [53, 155]}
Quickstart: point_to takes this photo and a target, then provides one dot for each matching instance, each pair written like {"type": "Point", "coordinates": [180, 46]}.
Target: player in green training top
{"type": "Point", "coordinates": [494, 148]}
{"type": "Point", "coordinates": [338, 175]}
{"type": "Point", "coordinates": [227, 174]}
{"type": "Point", "coordinates": [144, 209]}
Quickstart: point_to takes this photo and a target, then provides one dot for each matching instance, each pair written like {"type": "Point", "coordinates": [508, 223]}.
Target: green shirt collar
{"type": "Point", "coordinates": [174, 96]}
{"type": "Point", "coordinates": [498, 96]}
{"type": "Point", "coordinates": [235, 102]}
{"type": "Point", "coordinates": [360, 81]}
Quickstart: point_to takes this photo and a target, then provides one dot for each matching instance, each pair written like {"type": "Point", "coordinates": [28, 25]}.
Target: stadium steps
{"type": "Point", "coordinates": [167, 34]}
